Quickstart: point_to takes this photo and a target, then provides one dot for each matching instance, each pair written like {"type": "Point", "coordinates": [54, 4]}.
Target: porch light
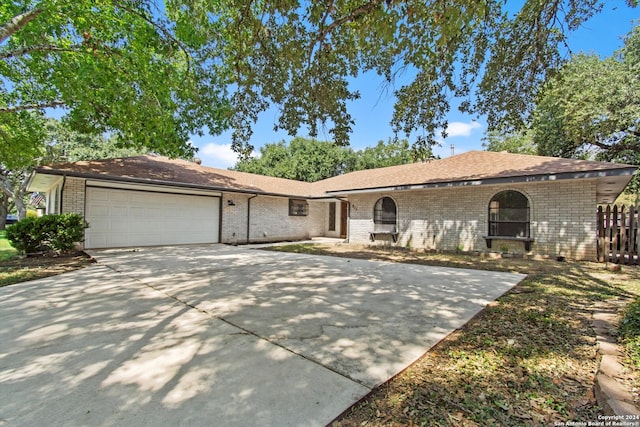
{"type": "Point", "coordinates": [230, 203]}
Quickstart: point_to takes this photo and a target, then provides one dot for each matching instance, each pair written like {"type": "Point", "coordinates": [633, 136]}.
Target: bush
{"type": "Point", "coordinates": [49, 232]}
{"type": "Point", "coordinates": [629, 331]}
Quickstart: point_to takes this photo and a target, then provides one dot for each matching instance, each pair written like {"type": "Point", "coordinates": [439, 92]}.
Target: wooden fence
{"type": "Point", "coordinates": [618, 236]}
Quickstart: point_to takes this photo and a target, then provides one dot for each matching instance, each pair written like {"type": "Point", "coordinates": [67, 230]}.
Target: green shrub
{"type": "Point", "coordinates": [26, 235]}
{"type": "Point", "coordinates": [629, 331]}
{"type": "Point", "coordinates": [57, 232]}
{"type": "Point", "coordinates": [68, 230]}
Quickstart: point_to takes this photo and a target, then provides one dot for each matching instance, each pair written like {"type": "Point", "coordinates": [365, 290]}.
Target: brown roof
{"type": "Point", "coordinates": [158, 169]}
{"type": "Point", "coordinates": [472, 166]}
{"type": "Point", "coordinates": [466, 167]}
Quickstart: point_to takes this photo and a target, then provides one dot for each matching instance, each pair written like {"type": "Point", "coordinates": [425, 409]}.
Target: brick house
{"type": "Point", "coordinates": [475, 201]}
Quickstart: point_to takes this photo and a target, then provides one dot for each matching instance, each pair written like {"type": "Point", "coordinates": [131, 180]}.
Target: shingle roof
{"type": "Point", "coordinates": [158, 169]}
{"type": "Point", "coordinates": [466, 167]}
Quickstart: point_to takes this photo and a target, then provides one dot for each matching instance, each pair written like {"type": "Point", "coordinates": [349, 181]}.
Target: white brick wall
{"type": "Point", "coordinates": [270, 220]}
{"type": "Point", "coordinates": [562, 218]}
{"type": "Point", "coordinates": [73, 195]}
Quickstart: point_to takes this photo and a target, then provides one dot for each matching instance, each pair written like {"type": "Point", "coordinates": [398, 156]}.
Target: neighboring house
{"type": "Point", "coordinates": [476, 201]}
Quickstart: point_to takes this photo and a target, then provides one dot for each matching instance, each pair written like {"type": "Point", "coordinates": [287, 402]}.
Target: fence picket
{"type": "Point", "coordinates": [618, 236]}
{"type": "Point", "coordinates": [634, 220]}
{"type": "Point", "coordinates": [623, 234]}
{"type": "Point", "coordinates": [601, 249]}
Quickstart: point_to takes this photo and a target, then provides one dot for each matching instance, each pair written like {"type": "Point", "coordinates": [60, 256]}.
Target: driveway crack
{"type": "Point", "coordinates": [244, 330]}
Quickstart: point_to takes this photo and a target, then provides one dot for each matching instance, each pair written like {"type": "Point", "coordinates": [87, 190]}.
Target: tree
{"type": "Point", "coordinates": [312, 160]}
{"type": "Point", "coordinates": [302, 159]}
{"type": "Point", "coordinates": [65, 145]}
{"type": "Point", "coordinates": [519, 142]}
{"type": "Point", "coordinates": [591, 108]}
{"type": "Point", "coordinates": [114, 66]}
{"type": "Point", "coordinates": [151, 74]}
{"type": "Point", "coordinates": [13, 186]}
{"type": "Point", "coordinates": [58, 144]}
{"type": "Point", "coordinates": [394, 152]}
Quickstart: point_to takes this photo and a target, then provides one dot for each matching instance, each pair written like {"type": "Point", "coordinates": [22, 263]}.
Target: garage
{"type": "Point", "coordinates": [121, 217]}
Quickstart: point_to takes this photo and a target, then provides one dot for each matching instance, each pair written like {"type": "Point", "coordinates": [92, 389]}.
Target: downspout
{"type": "Point", "coordinates": [64, 180]}
{"type": "Point", "coordinates": [249, 215]}
{"type": "Point", "coordinates": [220, 216]}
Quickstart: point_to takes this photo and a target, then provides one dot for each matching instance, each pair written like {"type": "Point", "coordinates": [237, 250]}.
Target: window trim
{"type": "Point", "coordinates": [379, 213]}
{"type": "Point", "coordinates": [298, 207]}
{"type": "Point", "coordinates": [497, 226]}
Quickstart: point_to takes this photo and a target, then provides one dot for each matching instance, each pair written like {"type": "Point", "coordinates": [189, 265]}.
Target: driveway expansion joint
{"type": "Point", "coordinates": [244, 330]}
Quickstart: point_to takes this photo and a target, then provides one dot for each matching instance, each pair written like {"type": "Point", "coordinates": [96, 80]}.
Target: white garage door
{"type": "Point", "coordinates": [122, 218]}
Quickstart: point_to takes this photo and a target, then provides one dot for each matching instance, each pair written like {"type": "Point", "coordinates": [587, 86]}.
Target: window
{"type": "Point", "coordinates": [509, 214]}
{"type": "Point", "coordinates": [298, 207]}
{"type": "Point", "coordinates": [332, 216]}
{"type": "Point", "coordinates": [384, 212]}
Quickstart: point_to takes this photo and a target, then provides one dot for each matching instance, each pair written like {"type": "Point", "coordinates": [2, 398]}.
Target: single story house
{"type": "Point", "coordinates": [475, 201]}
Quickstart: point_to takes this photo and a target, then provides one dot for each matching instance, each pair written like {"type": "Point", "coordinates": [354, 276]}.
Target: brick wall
{"type": "Point", "coordinates": [270, 220]}
{"type": "Point", "coordinates": [73, 195]}
{"type": "Point", "coordinates": [562, 218]}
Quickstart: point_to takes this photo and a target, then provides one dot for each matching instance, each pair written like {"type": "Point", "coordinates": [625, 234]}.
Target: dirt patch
{"type": "Point", "coordinates": [33, 267]}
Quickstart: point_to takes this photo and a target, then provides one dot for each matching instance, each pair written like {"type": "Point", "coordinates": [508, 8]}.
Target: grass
{"type": "Point", "coordinates": [629, 332]}
{"type": "Point", "coordinates": [6, 250]}
{"type": "Point", "coordinates": [529, 358]}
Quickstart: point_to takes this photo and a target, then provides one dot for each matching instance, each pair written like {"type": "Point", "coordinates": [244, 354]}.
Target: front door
{"type": "Point", "coordinates": [344, 209]}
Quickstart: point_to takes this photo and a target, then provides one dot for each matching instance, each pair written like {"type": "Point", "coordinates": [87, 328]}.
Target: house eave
{"type": "Point", "coordinates": [596, 174]}
{"type": "Point", "coordinates": [142, 181]}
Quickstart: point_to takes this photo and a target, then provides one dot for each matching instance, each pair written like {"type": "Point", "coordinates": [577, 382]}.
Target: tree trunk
{"type": "Point", "coordinates": [20, 207]}
{"type": "Point", "coordinates": [4, 201]}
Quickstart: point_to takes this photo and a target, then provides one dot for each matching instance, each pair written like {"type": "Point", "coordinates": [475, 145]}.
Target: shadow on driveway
{"type": "Point", "coordinates": [219, 335]}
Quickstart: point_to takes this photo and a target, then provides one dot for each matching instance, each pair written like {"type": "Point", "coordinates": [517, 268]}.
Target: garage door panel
{"type": "Point", "coordinates": [122, 218]}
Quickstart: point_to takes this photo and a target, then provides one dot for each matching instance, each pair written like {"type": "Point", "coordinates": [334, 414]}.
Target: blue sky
{"type": "Point", "coordinates": [372, 112]}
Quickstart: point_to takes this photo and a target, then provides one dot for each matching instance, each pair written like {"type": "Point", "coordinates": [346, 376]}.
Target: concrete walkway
{"type": "Point", "coordinates": [220, 335]}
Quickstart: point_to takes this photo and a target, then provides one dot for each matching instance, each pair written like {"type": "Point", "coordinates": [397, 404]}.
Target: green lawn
{"type": "Point", "coordinates": [6, 250]}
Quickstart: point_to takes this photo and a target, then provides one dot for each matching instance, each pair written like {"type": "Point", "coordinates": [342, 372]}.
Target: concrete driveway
{"type": "Point", "coordinates": [221, 335]}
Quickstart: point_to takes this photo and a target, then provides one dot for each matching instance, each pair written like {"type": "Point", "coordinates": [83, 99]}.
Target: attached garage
{"type": "Point", "coordinates": [120, 217]}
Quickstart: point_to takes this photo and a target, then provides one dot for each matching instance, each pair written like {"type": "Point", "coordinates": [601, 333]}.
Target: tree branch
{"type": "Point", "coordinates": [17, 22]}
{"type": "Point", "coordinates": [617, 146]}
{"type": "Point", "coordinates": [27, 107]}
{"type": "Point", "coordinates": [160, 28]}
{"type": "Point", "coordinates": [42, 48]}
{"type": "Point", "coordinates": [356, 13]}
{"type": "Point", "coordinates": [362, 10]}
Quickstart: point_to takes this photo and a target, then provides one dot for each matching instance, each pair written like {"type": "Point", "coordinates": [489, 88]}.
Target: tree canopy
{"type": "Point", "coordinates": [592, 106]}
{"type": "Point", "coordinates": [151, 73]}
{"type": "Point", "coordinates": [56, 143]}
{"type": "Point", "coordinates": [589, 109]}
{"type": "Point", "coordinates": [312, 160]}
{"type": "Point", "coordinates": [114, 66]}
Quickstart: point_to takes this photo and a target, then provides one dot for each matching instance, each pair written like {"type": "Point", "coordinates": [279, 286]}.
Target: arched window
{"type": "Point", "coordinates": [509, 215]}
{"type": "Point", "coordinates": [384, 212]}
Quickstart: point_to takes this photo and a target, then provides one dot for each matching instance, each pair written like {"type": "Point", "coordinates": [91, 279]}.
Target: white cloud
{"type": "Point", "coordinates": [217, 155]}
{"type": "Point", "coordinates": [461, 128]}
